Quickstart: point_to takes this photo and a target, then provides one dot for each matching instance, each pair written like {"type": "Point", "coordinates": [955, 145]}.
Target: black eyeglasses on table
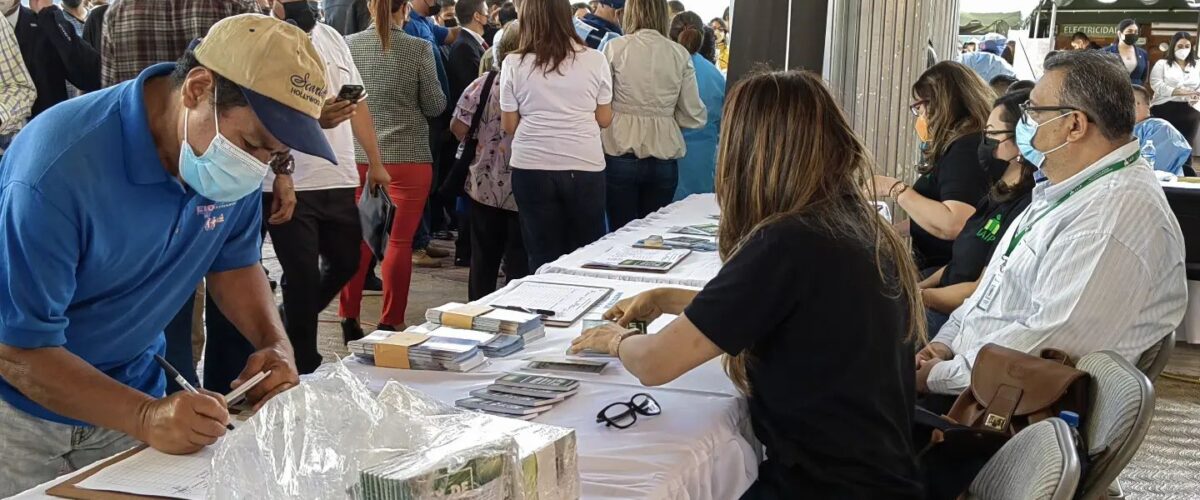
{"type": "Point", "coordinates": [623, 415]}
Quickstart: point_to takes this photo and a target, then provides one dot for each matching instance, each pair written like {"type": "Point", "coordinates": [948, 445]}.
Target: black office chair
{"type": "Point", "coordinates": [1185, 203]}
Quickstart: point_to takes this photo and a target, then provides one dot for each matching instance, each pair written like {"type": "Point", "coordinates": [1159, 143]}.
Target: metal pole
{"type": "Point", "coordinates": [1037, 19]}
{"type": "Point", "coordinates": [1053, 19]}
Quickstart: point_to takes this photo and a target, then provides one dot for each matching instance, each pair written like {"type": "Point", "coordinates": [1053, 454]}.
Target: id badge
{"type": "Point", "coordinates": [459, 153]}
{"type": "Point", "coordinates": [993, 287]}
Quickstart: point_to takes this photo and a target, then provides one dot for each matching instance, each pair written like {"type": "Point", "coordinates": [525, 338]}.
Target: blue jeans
{"type": "Point", "coordinates": [560, 211]}
{"type": "Point", "coordinates": [637, 187]}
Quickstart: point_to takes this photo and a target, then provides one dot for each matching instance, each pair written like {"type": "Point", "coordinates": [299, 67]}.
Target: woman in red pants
{"type": "Point", "coordinates": [401, 81]}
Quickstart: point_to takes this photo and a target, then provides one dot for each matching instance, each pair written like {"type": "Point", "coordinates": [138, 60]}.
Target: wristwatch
{"type": "Point", "coordinates": [614, 346]}
{"type": "Point", "coordinates": [283, 164]}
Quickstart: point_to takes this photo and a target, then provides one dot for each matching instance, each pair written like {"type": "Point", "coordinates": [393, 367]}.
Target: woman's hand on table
{"type": "Point", "coordinates": [641, 307]}
{"type": "Point", "coordinates": [604, 339]}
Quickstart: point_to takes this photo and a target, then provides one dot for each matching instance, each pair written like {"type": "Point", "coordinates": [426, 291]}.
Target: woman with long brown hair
{"type": "Point", "coordinates": [655, 97]}
{"type": "Point", "coordinates": [952, 106]}
{"type": "Point", "coordinates": [400, 78]}
{"type": "Point", "coordinates": [815, 311]}
{"type": "Point", "coordinates": [555, 96]}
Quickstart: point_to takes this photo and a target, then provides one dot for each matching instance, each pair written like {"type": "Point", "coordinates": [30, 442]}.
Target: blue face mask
{"type": "Point", "coordinates": [225, 172]}
{"type": "Point", "coordinates": [1025, 132]}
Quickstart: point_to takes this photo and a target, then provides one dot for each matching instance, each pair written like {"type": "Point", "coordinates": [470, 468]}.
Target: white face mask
{"type": "Point", "coordinates": [1182, 54]}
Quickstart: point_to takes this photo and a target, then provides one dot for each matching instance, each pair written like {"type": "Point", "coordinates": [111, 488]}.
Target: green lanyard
{"type": "Point", "coordinates": [1021, 232]}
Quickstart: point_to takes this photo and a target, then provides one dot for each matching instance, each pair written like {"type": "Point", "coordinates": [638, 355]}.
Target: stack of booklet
{"type": "Point", "coordinates": [484, 318]}
{"type": "Point", "coordinates": [485, 474]}
{"type": "Point", "coordinates": [416, 349]}
{"type": "Point", "coordinates": [493, 345]}
{"type": "Point", "coordinates": [520, 396]}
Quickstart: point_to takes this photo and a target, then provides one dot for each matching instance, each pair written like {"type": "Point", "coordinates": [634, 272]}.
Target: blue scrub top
{"type": "Point", "coordinates": [99, 245]}
{"type": "Point", "coordinates": [1171, 149]}
{"type": "Point", "coordinates": [697, 168]}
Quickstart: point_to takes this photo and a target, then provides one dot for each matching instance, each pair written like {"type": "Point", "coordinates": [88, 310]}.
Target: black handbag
{"type": "Point", "coordinates": [452, 187]}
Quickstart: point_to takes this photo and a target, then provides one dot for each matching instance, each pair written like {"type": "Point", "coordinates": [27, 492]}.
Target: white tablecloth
{"type": "Point", "coordinates": [695, 270]}
{"type": "Point", "coordinates": [700, 448]}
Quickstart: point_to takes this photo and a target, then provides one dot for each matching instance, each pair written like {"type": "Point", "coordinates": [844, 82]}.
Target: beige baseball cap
{"type": "Point", "coordinates": [280, 73]}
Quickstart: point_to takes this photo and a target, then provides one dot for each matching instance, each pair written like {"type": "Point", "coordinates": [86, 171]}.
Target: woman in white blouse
{"type": "Point", "coordinates": [654, 94]}
{"type": "Point", "coordinates": [1176, 84]}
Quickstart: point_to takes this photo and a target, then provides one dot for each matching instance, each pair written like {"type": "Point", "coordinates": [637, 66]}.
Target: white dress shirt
{"type": "Point", "coordinates": [312, 173]}
{"type": "Point", "coordinates": [1102, 271]}
{"type": "Point", "coordinates": [1164, 79]}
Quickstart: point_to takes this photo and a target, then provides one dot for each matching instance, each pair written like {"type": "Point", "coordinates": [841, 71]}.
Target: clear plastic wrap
{"type": "Point", "coordinates": [331, 438]}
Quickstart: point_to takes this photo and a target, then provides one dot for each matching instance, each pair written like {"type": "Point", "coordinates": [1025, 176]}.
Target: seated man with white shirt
{"type": "Point", "coordinates": [1097, 260]}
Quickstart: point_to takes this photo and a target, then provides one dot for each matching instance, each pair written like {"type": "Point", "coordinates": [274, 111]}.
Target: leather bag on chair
{"type": "Point", "coordinates": [1010, 390]}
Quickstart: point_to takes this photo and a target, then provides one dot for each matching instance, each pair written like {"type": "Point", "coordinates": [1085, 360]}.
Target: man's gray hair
{"type": "Point", "coordinates": [1096, 83]}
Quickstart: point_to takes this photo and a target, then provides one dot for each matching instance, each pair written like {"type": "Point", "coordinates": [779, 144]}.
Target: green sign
{"type": "Point", "coordinates": [1101, 30]}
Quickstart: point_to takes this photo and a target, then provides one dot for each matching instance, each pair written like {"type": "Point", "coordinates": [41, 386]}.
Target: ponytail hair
{"type": "Point", "coordinates": [691, 39]}
{"type": "Point", "coordinates": [381, 13]}
{"type": "Point", "coordinates": [687, 29]}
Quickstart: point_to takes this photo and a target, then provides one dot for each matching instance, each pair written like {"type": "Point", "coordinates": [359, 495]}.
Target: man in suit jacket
{"type": "Point", "coordinates": [462, 68]}
{"type": "Point", "coordinates": [465, 54]}
{"type": "Point", "coordinates": [53, 53]}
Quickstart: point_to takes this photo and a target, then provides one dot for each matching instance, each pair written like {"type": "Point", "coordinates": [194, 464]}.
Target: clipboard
{"type": "Point", "coordinates": [67, 489]}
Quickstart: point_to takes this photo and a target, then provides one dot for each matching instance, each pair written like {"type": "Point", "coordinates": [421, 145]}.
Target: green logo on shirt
{"type": "Point", "coordinates": [990, 230]}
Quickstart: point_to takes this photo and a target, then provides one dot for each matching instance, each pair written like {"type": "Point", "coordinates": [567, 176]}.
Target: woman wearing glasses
{"type": "Point", "coordinates": [951, 107]}
{"type": "Point", "coordinates": [949, 286]}
{"type": "Point", "coordinates": [823, 352]}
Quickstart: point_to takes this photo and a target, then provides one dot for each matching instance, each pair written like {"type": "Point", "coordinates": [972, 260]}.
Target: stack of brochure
{"type": "Point", "coordinates": [520, 396]}
{"type": "Point", "coordinates": [419, 350]}
{"type": "Point", "coordinates": [487, 319]}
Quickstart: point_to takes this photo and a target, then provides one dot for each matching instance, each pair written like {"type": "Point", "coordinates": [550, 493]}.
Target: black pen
{"type": "Point", "coordinates": [544, 312]}
{"type": "Point", "coordinates": [173, 373]}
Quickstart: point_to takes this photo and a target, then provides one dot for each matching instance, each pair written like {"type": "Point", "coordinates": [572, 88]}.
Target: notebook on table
{"type": "Point", "coordinates": [638, 260]}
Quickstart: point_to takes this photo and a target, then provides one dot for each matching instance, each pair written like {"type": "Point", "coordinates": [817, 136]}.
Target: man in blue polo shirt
{"type": "Point", "coordinates": [112, 206]}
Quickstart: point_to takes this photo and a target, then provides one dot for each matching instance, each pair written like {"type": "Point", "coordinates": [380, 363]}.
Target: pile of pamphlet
{"type": "Point", "coordinates": [527, 325]}
{"type": "Point", "coordinates": [487, 475]}
{"type": "Point", "coordinates": [520, 396]}
{"type": "Point", "coordinates": [418, 349]}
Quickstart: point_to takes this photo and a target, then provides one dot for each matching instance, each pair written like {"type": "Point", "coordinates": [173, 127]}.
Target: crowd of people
{"type": "Point", "coordinates": [534, 128]}
{"type": "Point", "coordinates": [1167, 90]}
{"type": "Point", "coordinates": [578, 119]}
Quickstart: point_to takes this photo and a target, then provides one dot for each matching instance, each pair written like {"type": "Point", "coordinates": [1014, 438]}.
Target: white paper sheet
{"type": "Point", "coordinates": [152, 472]}
{"type": "Point", "coordinates": [640, 258]}
{"type": "Point", "coordinates": [568, 302]}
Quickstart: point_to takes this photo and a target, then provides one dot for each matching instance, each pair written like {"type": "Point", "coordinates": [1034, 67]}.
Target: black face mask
{"type": "Point", "coordinates": [992, 166]}
{"type": "Point", "coordinates": [450, 23]}
{"type": "Point", "coordinates": [435, 9]}
{"type": "Point", "coordinates": [1129, 39]}
{"type": "Point", "coordinates": [301, 14]}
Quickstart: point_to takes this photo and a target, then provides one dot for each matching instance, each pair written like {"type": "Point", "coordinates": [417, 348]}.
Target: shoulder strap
{"type": "Point", "coordinates": [484, 96]}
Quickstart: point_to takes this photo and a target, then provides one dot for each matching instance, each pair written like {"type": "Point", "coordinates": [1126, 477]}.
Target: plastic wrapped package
{"type": "Point", "coordinates": [331, 438]}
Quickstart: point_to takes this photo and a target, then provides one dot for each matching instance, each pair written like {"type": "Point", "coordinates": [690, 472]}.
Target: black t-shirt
{"type": "Point", "coordinates": [974, 246]}
{"type": "Point", "coordinates": [956, 176]}
{"type": "Point", "coordinates": [832, 386]}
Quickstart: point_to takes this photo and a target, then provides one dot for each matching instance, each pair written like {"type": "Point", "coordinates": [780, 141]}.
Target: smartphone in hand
{"type": "Point", "coordinates": [352, 93]}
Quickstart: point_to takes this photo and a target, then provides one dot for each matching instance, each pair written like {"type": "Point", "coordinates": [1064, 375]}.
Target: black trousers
{"type": "Point", "coordinates": [495, 236]}
{"type": "Point", "coordinates": [318, 250]}
{"type": "Point", "coordinates": [1184, 117]}
{"type": "Point", "coordinates": [561, 210]}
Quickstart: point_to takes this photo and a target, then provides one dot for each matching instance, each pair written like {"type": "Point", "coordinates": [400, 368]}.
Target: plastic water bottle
{"type": "Point", "coordinates": [1149, 153]}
